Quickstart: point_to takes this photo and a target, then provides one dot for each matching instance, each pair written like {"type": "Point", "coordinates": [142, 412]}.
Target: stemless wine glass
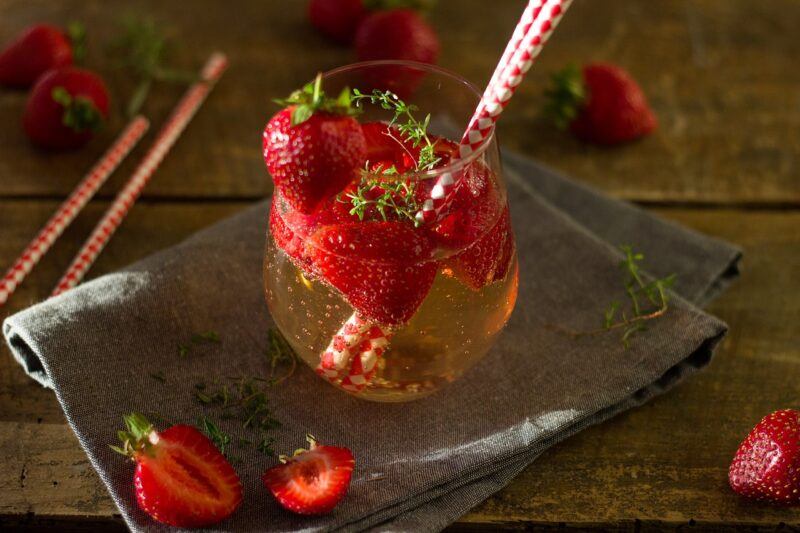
{"type": "Point", "coordinates": [465, 273]}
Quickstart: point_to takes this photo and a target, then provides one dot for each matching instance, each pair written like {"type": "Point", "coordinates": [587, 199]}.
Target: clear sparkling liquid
{"type": "Point", "coordinates": [453, 328]}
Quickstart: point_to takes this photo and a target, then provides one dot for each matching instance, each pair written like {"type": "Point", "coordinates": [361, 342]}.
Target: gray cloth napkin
{"type": "Point", "coordinates": [419, 465]}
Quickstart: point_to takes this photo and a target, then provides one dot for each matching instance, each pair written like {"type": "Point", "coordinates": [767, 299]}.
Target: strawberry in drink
{"type": "Point", "coordinates": [383, 304]}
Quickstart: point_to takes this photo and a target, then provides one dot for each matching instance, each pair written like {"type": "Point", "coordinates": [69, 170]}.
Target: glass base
{"type": "Point", "coordinates": [453, 328]}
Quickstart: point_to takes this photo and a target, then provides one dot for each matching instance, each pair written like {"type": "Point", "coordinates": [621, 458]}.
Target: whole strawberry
{"type": "Point", "coordinates": [314, 147]}
{"type": "Point", "coordinates": [181, 478]}
{"type": "Point", "coordinates": [602, 104]}
{"type": "Point", "coordinates": [313, 481]}
{"type": "Point", "coordinates": [767, 464]}
{"type": "Point", "coordinates": [65, 107]}
{"type": "Point", "coordinates": [396, 34]}
{"type": "Point", "coordinates": [36, 50]}
{"type": "Point", "coordinates": [337, 19]}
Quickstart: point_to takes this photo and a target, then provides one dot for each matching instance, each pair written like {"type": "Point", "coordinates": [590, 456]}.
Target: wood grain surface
{"type": "Point", "coordinates": [719, 73]}
{"type": "Point", "coordinates": [721, 76]}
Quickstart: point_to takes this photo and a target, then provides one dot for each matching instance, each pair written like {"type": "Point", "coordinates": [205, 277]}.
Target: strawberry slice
{"type": "Point", "coordinates": [487, 259]}
{"type": "Point", "coordinates": [384, 269]}
{"type": "Point", "coordinates": [289, 228]}
{"type": "Point", "coordinates": [506, 252]}
{"type": "Point", "coordinates": [312, 481]}
{"type": "Point", "coordinates": [181, 479]}
{"type": "Point", "coordinates": [386, 147]}
{"type": "Point", "coordinates": [477, 226]}
{"type": "Point", "coordinates": [473, 209]}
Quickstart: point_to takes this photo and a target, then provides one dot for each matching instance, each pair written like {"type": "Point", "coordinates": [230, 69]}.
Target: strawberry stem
{"type": "Point", "coordinates": [76, 33]}
{"type": "Point", "coordinates": [137, 437]}
{"type": "Point", "coordinates": [312, 443]}
{"type": "Point", "coordinates": [143, 48]}
{"type": "Point", "coordinates": [565, 96]}
{"type": "Point", "coordinates": [311, 98]}
{"type": "Point", "coordinates": [655, 292]}
{"type": "Point", "coordinates": [80, 113]}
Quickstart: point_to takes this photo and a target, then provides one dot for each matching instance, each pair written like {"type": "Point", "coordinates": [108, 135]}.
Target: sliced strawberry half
{"type": "Point", "coordinates": [289, 228]}
{"type": "Point", "coordinates": [312, 481]}
{"type": "Point", "coordinates": [506, 252]}
{"type": "Point", "coordinates": [181, 478]}
{"type": "Point", "coordinates": [386, 147]}
{"type": "Point", "coordinates": [487, 259]}
{"type": "Point", "coordinates": [384, 269]}
{"type": "Point", "coordinates": [473, 209]}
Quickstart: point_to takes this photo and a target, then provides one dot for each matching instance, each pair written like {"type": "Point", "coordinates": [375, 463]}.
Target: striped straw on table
{"type": "Point", "coordinates": [70, 208]}
{"type": "Point", "coordinates": [172, 129]}
{"type": "Point", "coordinates": [534, 28]}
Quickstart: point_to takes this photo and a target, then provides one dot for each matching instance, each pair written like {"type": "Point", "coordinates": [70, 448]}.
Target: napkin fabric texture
{"type": "Point", "coordinates": [419, 465]}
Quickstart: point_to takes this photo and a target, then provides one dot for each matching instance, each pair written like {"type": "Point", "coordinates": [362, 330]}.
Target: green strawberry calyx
{"type": "Point", "coordinates": [138, 437]}
{"type": "Point", "coordinates": [80, 113]}
{"type": "Point", "coordinates": [565, 97]}
{"type": "Point", "coordinates": [311, 98]}
{"type": "Point", "coordinates": [76, 33]}
{"type": "Point", "coordinates": [312, 443]}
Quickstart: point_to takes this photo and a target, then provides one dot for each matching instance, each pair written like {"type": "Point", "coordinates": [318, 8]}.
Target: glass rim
{"type": "Point", "coordinates": [452, 168]}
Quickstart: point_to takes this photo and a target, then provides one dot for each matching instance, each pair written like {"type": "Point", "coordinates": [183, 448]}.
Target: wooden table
{"type": "Point", "coordinates": [723, 78]}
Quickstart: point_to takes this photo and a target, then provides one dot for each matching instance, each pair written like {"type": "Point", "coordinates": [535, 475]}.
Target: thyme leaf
{"type": "Point", "coordinates": [646, 301]}
{"type": "Point", "coordinates": [412, 130]}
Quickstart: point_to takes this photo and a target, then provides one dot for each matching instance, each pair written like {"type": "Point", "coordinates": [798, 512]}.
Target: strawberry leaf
{"type": "Point", "coordinates": [301, 113]}
{"type": "Point", "coordinates": [142, 49]}
{"type": "Point", "coordinates": [565, 96]}
{"type": "Point", "coordinates": [136, 438]}
{"type": "Point", "coordinates": [80, 113]}
{"type": "Point", "coordinates": [311, 98]}
{"type": "Point", "coordinates": [76, 32]}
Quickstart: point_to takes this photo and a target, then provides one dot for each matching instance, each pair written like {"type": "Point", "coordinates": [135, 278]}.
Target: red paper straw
{"type": "Point", "coordinates": [172, 129]}
{"type": "Point", "coordinates": [335, 360]}
{"type": "Point", "coordinates": [535, 26]}
{"type": "Point", "coordinates": [68, 210]}
{"type": "Point", "coordinates": [525, 21]}
{"type": "Point", "coordinates": [496, 97]}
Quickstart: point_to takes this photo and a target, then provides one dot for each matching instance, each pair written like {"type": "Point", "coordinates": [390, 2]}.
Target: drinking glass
{"type": "Point", "coordinates": [469, 269]}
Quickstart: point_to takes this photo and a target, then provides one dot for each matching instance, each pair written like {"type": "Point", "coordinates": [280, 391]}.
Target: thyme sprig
{"type": "Point", "coordinates": [311, 98]}
{"type": "Point", "coordinates": [143, 48]}
{"type": "Point", "coordinates": [244, 399]}
{"type": "Point", "coordinates": [646, 301]}
{"type": "Point", "coordinates": [395, 196]}
{"type": "Point", "coordinates": [279, 353]}
{"type": "Point", "coordinates": [217, 436]}
{"type": "Point", "coordinates": [197, 339]}
{"type": "Point", "coordinates": [398, 197]}
{"type": "Point", "coordinates": [410, 128]}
